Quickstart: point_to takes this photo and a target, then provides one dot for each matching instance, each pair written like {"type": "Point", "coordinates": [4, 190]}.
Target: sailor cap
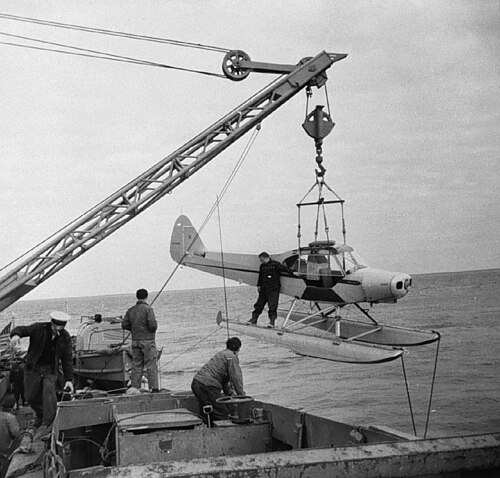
{"type": "Point", "coordinates": [59, 316]}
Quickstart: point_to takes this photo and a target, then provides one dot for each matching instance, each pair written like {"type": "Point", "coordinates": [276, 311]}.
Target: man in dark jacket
{"type": "Point", "coordinates": [50, 345]}
{"type": "Point", "coordinates": [221, 373]}
{"type": "Point", "coordinates": [268, 286]}
{"type": "Point", "coordinates": [141, 321]}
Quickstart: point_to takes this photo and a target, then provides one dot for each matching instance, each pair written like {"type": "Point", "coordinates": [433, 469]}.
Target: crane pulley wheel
{"type": "Point", "coordinates": [231, 65]}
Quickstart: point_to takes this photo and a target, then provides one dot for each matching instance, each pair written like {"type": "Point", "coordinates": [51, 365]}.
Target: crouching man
{"type": "Point", "coordinates": [222, 373]}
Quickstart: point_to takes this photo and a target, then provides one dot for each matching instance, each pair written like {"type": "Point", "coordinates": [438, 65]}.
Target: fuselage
{"type": "Point", "coordinates": [322, 272]}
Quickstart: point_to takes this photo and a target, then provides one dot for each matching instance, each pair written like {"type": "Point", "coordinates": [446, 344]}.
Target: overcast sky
{"type": "Point", "coordinates": [415, 150]}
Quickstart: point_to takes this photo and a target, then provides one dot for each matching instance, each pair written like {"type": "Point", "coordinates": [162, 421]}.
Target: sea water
{"type": "Point", "coordinates": [463, 307]}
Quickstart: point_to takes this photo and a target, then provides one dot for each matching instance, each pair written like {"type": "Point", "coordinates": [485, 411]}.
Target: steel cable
{"type": "Point", "coordinates": [432, 384]}
{"type": "Point", "coordinates": [408, 395]}
{"type": "Point", "coordinates": [89, 53]}
{"type": "Point", "coordinates": [115, 33]}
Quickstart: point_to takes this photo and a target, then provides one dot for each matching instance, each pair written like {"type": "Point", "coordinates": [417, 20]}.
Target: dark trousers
{"type": "Point", "coordinates": [207, 395]}
{"type": "Point", "coordinates": [18, 391]}
{"type": "Point", "coordinates": [40, 386]}
{"type": "Point", "coordinates": [271, 297]}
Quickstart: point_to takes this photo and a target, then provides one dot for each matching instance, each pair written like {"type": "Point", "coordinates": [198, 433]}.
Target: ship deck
{"type": "Point", "coordinates": [162, 434]}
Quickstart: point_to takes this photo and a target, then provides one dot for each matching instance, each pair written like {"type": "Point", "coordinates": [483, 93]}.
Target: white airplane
{"type": "Point", "coordinates": [324, 272]}
{"type": "Point", "coordinates": [327, 277]}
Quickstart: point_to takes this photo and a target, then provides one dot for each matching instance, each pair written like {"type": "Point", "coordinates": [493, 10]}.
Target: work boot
{"type": "Point", "coordinates": [251, 322]}
{"type": "Point", "coordinates": [270, 325]}
{"type": "Point", "coordinates": [154, 390]}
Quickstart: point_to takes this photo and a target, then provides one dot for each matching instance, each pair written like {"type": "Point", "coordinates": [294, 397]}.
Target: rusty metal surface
{"type": "Point", "coordinates": [96, 411]}
{"type": "Point", "coordinates": [172, 445]}
{"type": "Point", "coordinates": [412, 458]}
{"type": "Point", "coordinates": [299, 429]}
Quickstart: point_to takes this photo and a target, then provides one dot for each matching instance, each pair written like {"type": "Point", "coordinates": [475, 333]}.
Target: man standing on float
{"type": "Point", "coordinates": [268, 286]}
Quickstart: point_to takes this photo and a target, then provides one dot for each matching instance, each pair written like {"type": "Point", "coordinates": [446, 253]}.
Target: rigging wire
{"type": "Point", "coordinates": [89, 53]}
{"type": "Point", "coordinates": [408, 395]}
{"type": "Point", "coordinates": [432, 384]}
{"type": "Point", "coordinates": [235, 170]}
{"type": "Point", "coordinates": [190, 348]}
{"type": "Point", "coordinates": [115, 33]}
{"type": "Point", "coordinates": [223, 268]}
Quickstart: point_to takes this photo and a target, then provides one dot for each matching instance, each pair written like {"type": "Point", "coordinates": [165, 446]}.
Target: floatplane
{"type": "Point", "coordinates": [325, 276]}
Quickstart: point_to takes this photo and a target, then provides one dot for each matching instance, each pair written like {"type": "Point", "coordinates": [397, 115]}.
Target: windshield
{"type": "Point", "coordinates": [352, 262]}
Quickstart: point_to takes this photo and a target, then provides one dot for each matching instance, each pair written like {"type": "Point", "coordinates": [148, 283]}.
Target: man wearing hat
{"type": "Point", "coordinates": [50, 346]}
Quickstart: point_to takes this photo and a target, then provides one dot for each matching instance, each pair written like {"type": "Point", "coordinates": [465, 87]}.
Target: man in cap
{"type": "Point", "coordinates": [141, 321]}
{"type": "Point", "coordinates": [222, 373]}
{"type": "Point", "coordinates": [50, 346]}
{"type": "Point", "coordinates": [268, 286]}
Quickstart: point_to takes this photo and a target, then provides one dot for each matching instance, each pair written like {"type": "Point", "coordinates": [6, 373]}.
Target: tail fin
{"type": "Point", "coordinates": [184, 239]}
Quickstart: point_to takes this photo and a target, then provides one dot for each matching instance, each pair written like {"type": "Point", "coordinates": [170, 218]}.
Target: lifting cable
{"type": "Point", "coordinates": [85, 52]}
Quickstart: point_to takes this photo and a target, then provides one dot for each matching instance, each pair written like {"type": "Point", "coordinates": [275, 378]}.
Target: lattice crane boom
{"type": "Point", "coordinates": [140, 193]}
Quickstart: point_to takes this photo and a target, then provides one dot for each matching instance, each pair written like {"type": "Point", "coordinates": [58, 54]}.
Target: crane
{"type": "Point", "coordinates": [142, 192]}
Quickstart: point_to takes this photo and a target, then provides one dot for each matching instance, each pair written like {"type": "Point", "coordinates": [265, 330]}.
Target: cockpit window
{"type": "Point", "coordinates": [295, 264]}
{"type": "Point", "coordinates": [352, 262]}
